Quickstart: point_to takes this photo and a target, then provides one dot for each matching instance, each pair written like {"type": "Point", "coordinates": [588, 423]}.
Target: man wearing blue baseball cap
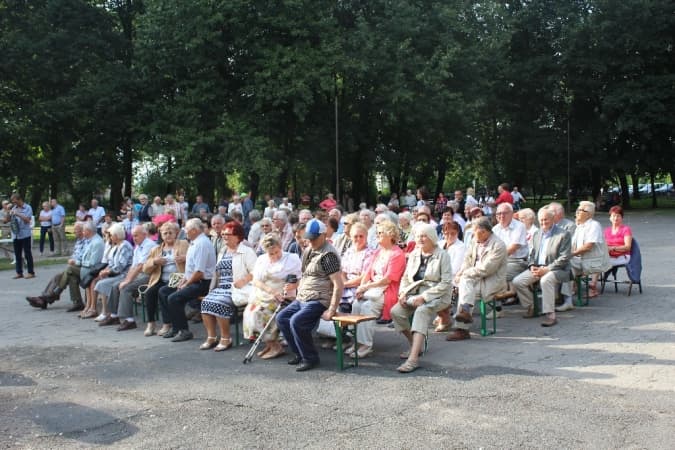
{"type": "Point", "coordinates": [318, 297]}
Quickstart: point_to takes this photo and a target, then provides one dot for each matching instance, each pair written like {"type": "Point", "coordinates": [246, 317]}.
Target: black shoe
{"type": "Point", "coordinates": [294, 361]}
{"type": "Point", "coordinates": [170, 334]}
{"type": "Point", "coordinates": [183, 335]}
{"type": "Point", "coordinates": [37, 302]}
{"type": "Point", "coordinates": [306, 365]}
{"type": "Point", "coordinates": [380, 322]}
{"type": "Point", "coordinates": [76, 307]}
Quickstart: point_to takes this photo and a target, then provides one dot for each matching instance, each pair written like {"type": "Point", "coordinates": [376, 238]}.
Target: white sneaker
{"type": "Point", "coordinates": [564, 307]}
{"type": "Point", "coordinates": [100, 318]}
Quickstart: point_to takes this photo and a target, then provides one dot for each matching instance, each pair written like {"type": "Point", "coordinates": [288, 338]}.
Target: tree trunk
{"type": "Point", "coordinates": [206, 185]}
{"type": "Point", "coordinates": [440, 178]}
{"type": "Point", "coordinates": [623, 182]}
{"type": "Point", "coordinates": [127, 165]}
{"type": "Point", "coordinates": [635, 177]}
{"type": "Point", "coordinates": [653, 191]}
{"type": "Point", "coordinates": [254, 186]}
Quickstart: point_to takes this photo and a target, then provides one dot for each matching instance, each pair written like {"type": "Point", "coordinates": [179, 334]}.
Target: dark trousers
{"type": "Point", "coordinates": [152, 302]}
{"type": "Point", "coordinates": [22, 246]}
{"type": "Point", "coordinates": [296, 322]}
{"type": "Point", "coordinates": [178, 299]}
{"type": "Point", "coordinates": [46, 231]}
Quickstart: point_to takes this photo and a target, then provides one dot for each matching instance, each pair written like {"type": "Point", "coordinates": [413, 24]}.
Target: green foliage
{"type": "Point", "coordinates": [215, 95]}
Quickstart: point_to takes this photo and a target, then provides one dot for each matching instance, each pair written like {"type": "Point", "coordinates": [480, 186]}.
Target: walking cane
{"type": "Point", "coordinates": [254, 347]}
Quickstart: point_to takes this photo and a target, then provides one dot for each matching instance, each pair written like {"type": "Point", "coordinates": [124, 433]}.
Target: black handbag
{"type": "Point", "coordinates": [93, 273]}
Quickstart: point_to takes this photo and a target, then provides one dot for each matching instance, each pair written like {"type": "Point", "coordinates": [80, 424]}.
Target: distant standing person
{"type": "Point", "coordinates": [59, 227]}
{"type": "Point", "coordinates": [328, 203]}
{"type": "Point", "coordinates": [199, 205]}
{"type": "Point", "coordinates": [518, 198]}
{"type": "Point", "coordinates": [19, 218]}
{"type": "Point", "coordinates": [45, 220]}
{"type": "Point", "coordinates": [97, 214]}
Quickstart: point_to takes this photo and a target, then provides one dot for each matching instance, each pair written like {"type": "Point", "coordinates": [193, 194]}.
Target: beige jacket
{"type": "Point", "coordinates": [491, 269]}
{"type": "Point", "coordinates": [155, 272]}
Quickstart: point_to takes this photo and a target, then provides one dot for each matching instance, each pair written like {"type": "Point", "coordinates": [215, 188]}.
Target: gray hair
{"type": "Point", "coordinates": [427, 229]}
{"type": "Point", "coordinates": [369, 212]}
{"type": "Point", "coordinates": [305, 212]}
{"type": "Point", "coordinates": [117, 230]}
{"type": "Point", "coordinates": [405, 215]}
{"type": "Point", "coordinates": [543, 211]}
{"type": "Point", "coordinates": [505, 206]}
{"type": "Point", "coordinates": [528, 213]}
{"type": "Point", "coordinates": [482, 222]}
{"type": "Point", "coordinates": [193, 224]}
{"type": "Point", "coordinates": [557, 208]}
{"type": "Point", "coordinates": [588, 206]}
{"type": "Point", "coordinates": [281, 215]}
{"type": "Point", "coordinates": [254, 215]}
{"type": "Point", "coordinates": [217, 218]}
{"type": "Point", "coordinates": [89, 225]}
{"type": "Point", "coordinates": [266, 221]}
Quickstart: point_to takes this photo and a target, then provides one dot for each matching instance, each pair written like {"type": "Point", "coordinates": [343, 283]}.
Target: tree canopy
{"type": "Point", "coordinates": [212, 95]}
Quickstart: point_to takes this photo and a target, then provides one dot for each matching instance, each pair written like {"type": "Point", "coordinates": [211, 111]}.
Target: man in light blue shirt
{"type": "Point", "coordinates": [84, 256]}
{"type": "Point", "coordinates": [58, 227]}
{"type": "Point", "coordinates": [19, 218]}
{"type": "Point", "coordinates": [200, 265]}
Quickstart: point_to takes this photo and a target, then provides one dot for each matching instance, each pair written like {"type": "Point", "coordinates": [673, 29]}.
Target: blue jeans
{"type": "Point", "coordinates": [23, 247]}
{"type": "Point", "coordinates": [296, 322]}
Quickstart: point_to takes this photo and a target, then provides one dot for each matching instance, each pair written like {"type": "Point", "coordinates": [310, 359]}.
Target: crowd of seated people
{"type": "Point", "coordinates": [399, 262]}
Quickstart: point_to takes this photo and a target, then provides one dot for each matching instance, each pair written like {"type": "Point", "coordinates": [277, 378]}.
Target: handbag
{"type": "Point", "coordinates": [174, 279]}
{"type": "Point", "coordinates": [240, 296]}
{"type": "Point", "coordinates": [93, 273]}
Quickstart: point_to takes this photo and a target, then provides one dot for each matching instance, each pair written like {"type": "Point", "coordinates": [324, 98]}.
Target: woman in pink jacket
{"type": "Point", "coordinates": [378, 291]}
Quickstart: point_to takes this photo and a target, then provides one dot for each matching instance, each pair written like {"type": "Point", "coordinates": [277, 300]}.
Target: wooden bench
{"type": "Point", "coordinates": [349, 323]}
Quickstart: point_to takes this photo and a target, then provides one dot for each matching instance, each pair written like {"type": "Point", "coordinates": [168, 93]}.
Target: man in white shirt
{"type": "Point", "coordinates": [514, 236]}
{"type": "Point", "coordinates": [200, 265]}
{"type": "Point", "coordinates": [135, 278]}
{"type": "Point", "coordinates": [97, 214]}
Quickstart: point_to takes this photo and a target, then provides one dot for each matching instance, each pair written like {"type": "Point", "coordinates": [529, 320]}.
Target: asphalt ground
{"type": "Point", "coordinates": [603, 378]}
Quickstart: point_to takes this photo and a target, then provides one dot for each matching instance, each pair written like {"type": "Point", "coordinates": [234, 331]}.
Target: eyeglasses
{"type": "Point", "coordinates": [502, 214]}
{"type": "Point", "coordinates": [226, 234]}
{"type": "Point", "coordinates": [581, 210]}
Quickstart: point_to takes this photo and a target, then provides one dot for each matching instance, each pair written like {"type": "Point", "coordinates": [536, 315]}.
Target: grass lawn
{"type": "Point", "coordinates": [5, 263]}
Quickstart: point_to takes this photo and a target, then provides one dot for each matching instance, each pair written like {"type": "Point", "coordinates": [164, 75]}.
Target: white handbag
{"type": "Point", "coordinates": [240, 296]}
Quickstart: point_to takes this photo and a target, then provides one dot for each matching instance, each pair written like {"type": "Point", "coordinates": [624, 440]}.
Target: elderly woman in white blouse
{"type": "Point", "coordinates": [270, 281]}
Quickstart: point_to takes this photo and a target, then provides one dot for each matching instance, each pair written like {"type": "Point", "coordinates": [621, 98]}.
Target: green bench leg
{"type": "Point", "coordinates": [579, 301]}
{"type": "Point", "coordinates": [483, 317]}
{"type": "Point", "coordinates": [338, 342]}
{"type": "Point", "coordinates": [537, 300]}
